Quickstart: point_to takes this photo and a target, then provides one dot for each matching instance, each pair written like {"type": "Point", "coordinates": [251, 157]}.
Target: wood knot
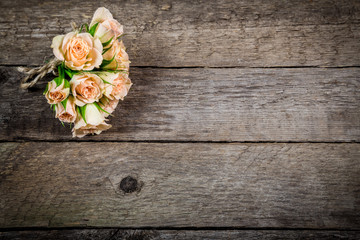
{"type": "Point", "coordinates": [129, 185]}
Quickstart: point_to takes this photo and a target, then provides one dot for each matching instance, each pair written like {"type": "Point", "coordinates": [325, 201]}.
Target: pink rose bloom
{"type": "Point", "coordinates": [108, 105]}
{"type": "Point", "coordinates": [68, 115]}
{"type": "Point", "coordinates": [121, 59]}
{"type": "Point", "coordinates": [80, 51]}
{"type": "Point", "coordinates": [86, 88]}
{"type": "Point", "coordinates": [117, 85]}
{"type": "Point", "coordinates": [56, 94]}
{"type": "Point", "coordinates": [108, 28]}
{"type": "Point", "coordinates": [95, 122]}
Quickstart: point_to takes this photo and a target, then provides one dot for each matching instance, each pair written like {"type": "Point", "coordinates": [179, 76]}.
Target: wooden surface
{"type": "Point", "coordinates": [243, 123]}
{"type": "Point", "coordinates": [181, 185]}
{"type": "Point", "coordinates": [197, 33]}
{"type": "Point", "coordinates": [117, 234]}
{"type": "Point", "coordinates": [227, 104]}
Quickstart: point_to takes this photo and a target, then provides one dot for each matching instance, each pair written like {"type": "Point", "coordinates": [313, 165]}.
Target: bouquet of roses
{"type": "Point", "coordinates": [93, 69]}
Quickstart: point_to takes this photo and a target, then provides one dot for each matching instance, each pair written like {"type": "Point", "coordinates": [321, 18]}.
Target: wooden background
{"type": "Point", "coordinates": [243, 123]}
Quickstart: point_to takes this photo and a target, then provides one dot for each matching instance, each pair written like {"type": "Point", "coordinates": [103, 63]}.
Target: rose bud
{"type": "Point", "coordinates": [86, 88]}
{"type": "Point", "coordinates": [67, 114]}
{"type": "Point", "coordinates": [107, 29]}
{"type": "Point", "coordinates": [80, 51]}
{"type": "Point", "coordinates": [57, 91]}
{"type": "Point", "coordinates": [117, 85]}
{"type": "Point", "coordinates": [118, 57]}
{"type": "Point", "coordinates": [108, 105]}
{"type": "Point", "coordinates": [95, 122]}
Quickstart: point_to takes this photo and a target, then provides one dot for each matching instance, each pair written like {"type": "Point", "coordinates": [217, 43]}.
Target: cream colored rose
{"type": "Point", "coordinates": [95, 122]}
{"type": "Point", "coordinates": [121, 59]}
{"type": "Point", "coordinates": [86, 88]}
{"type": "Point", "coordinates": [69, 114]}
{"type": "Point", "coordinates": [56, 94]}
{"type": "Point", "coordinates": [108, 29]}
{"type": "Point", "coordinates": [108, 105]}
{"type": "Point", "coordinates": [80, 51]}
{"type": "Point", "coordinates": [117, 85]}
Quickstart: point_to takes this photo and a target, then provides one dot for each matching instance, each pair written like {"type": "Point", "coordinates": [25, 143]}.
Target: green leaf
{"type": "Point", "coordinates": [61, 71]}
{"type": "Point", "coordinates": [66, 83]}
{"type": "Point", "coordinates": [107, 62]}
{"type": "Point", "coordinates": [58, 81]}
{"type": "Point", "coordinates": [46, 89]}
{"type": "Point", "coordinates": [86, 27]}
{"type": "Point", "coordinates": [105, 80]}
{"type": "Point", "coordinates": [82, 112]}
{"type": "Point", "coordinates": [62, 123]}
{"type": "Point", "coordinates": [121, 36]}
{"type": "Point", "coordinates": [64, 102]}
{"type": "Point", "coordinates": [108, 42]}
{"type": "Point", "coordinates": [69, 73]}
{"type": "Point", "coordinates": [53, 107]}
{"type": "Point", "coordinates": [106, 49]}
{"type": "Point", "coordinates": [100, 108]}
{"type": "Point", "coordinates": [93, 28]}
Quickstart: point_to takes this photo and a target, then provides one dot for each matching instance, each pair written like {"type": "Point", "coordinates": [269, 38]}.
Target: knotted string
{"type": "Point", "coordinates": [39, 72]}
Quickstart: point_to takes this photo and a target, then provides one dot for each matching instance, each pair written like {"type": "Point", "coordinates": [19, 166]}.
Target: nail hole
{"type": "Point", "coordinates": [129, 184]}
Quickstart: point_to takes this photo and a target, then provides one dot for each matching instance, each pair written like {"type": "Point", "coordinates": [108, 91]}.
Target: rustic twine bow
{"type": "Point", "coordinates": [38, 73]}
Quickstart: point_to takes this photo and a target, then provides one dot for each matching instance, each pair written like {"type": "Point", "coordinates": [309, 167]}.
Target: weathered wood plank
{"type": "Point", "coordinates": [186, 33]}
{"type": "Point", "coordinates": [181, 185]}
{"type": "Point", "coordinates": [113, 234]}
{"type": "Point", "coordinates": [206, 105]}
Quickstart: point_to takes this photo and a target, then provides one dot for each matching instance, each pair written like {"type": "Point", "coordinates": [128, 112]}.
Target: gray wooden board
{"type": "Point", "coordinates": [258, 185]}
{"type": "Point", "coordinates": [201, 33]}
{"type": "Point", "coordinates": [115, 234]}
{"type": "Point", "coordinates": [300, 104]}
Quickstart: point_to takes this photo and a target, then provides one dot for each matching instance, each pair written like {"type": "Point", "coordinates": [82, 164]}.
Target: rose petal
{"type": "Point", "coordinates": [66, 40]}
{"type": "Point", "coordinates": [101, 31]}
{"type": "Point", "coordinates": [100, 15]}
{"type": "Point", "coordinates": [87, 38]}
{"type": "Point", "coordinates": [71, 65]}
{"type": "Point", "coordinates": [96, 59]}
{"type": "Point", "coordinates": [92, 115]}
{"type": "Point", "coordinates": [98, 45]}
{"type": "Point", "coordinates": [56, 43]}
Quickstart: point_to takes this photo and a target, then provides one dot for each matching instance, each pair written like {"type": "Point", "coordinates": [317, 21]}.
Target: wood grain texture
{"type": "Point", "coordinates": [206, 105]}
{"type": "Point", "coordinates": [196, 33]}
{"type": "Point", "coordinates": [117, 234]}
{"type": "Point", "coordinates": [280, 185]}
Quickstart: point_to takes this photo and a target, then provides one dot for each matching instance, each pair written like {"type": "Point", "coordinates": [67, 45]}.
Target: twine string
{"type": "Point", "coordinates": [37, 73]}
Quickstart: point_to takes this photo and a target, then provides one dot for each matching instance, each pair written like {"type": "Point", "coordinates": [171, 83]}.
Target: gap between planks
{"type": "Point", "coordinates": [230, 228]}
{"type": "Point", "coordinates": [23, 140]}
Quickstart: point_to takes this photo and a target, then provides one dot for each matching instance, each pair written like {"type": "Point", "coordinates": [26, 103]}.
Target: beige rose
{"type": "Point", "coordinates": [56, 94]}
{"type": "Point", "coordinates": [69, 114]}
{"type": "Point", "coordinates": [80, 51]}
{"type": "Point", "coordinates": [95, 122]}
{"type": "Point", "coordinates": [121, 59]}
{"type": "Point", "coordinates": [108, 105]}
{"type": "Point", "coordinates": [108, 28]}
{"type": "Point", "coordinates": [117, 85]}
{"type": "Point", "coordinates": [86, 88]}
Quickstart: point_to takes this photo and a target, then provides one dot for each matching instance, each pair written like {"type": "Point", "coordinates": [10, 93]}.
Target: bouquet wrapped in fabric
{"type": "Point", "coordinates": [93, 69]}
